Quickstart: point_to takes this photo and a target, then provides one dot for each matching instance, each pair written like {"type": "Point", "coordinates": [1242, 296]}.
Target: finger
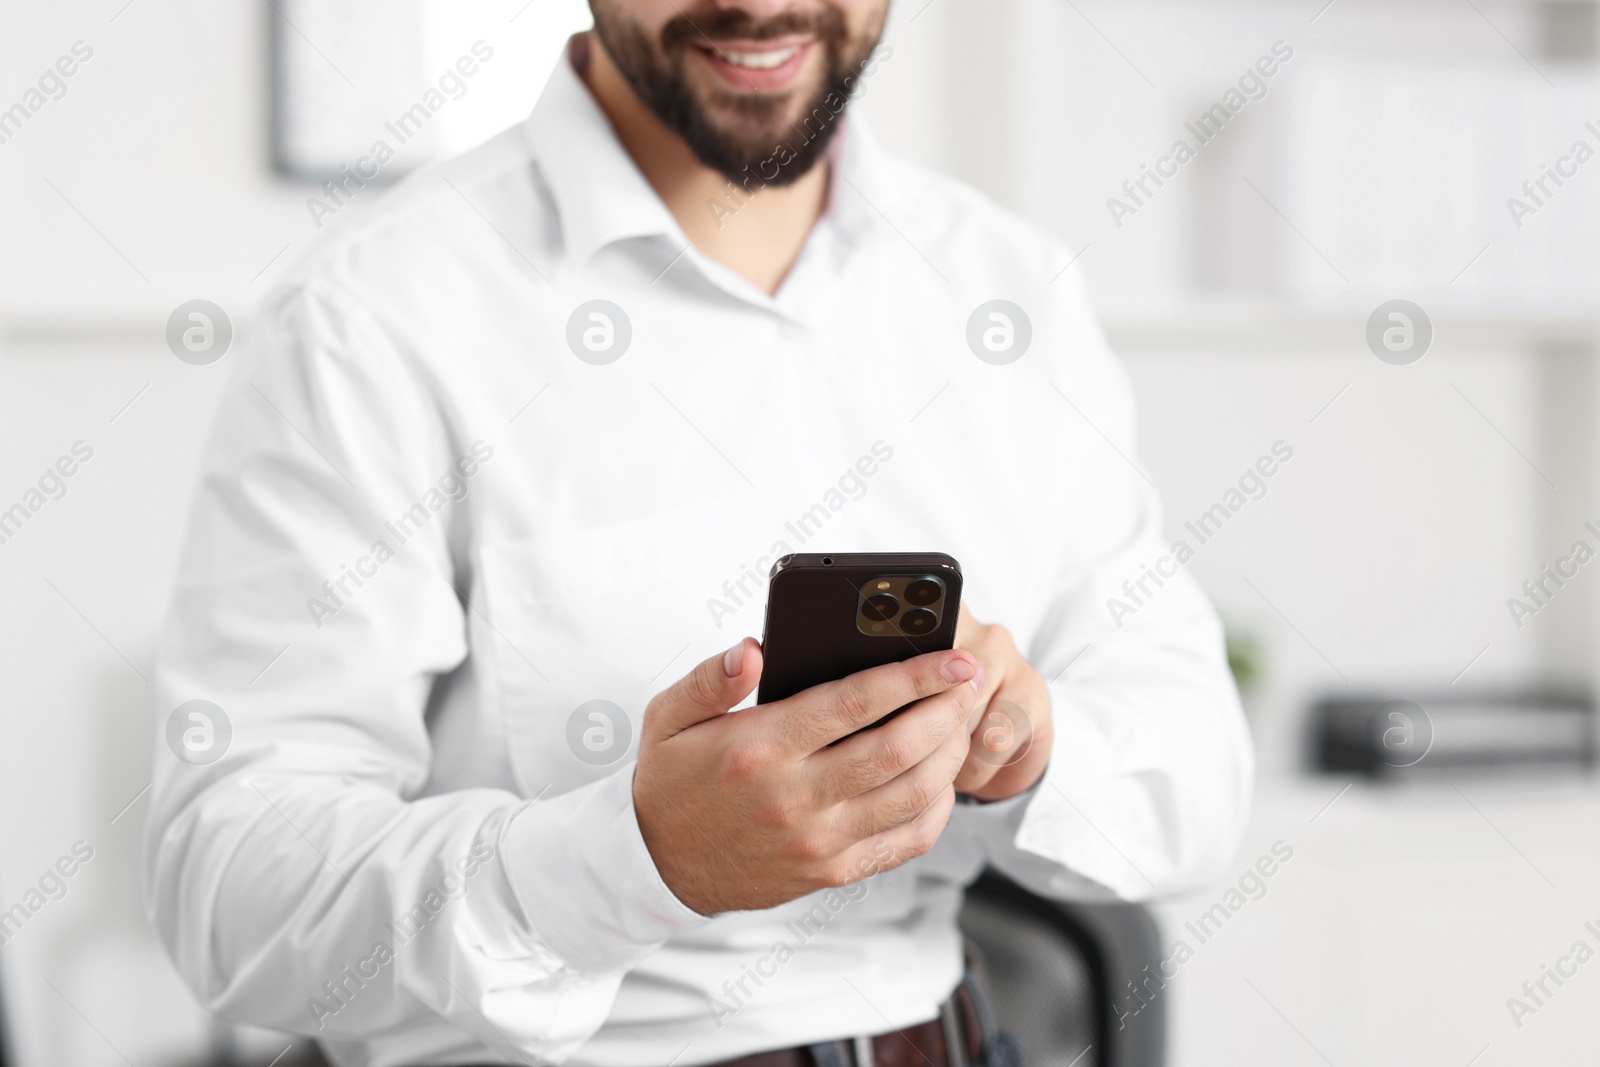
{"type": "Point", "coordinates": [976, 771]}
{"type": "Point", "coordinates": [967, 627]}
{"type": "Point", "coordinates": [994, 678]}
{"type": "Point", "coordinates": [873, 757]}
{"type": "Point", "coordinates": [888, 850]}
{"type": "Point", "coordinates": [988, 647]}
{"type": "Point", "coordinates": [1004, 736]}
{"type": "Point", "coordinates": [711, 689]}
{"type": "Point", "coordinates": [822, 714]}
{"type": "Point", "coordinates": [904, 798]}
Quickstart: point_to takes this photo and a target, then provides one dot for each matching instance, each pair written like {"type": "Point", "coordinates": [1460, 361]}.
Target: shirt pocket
{"type": "Point", "coordinates": [579, 626]}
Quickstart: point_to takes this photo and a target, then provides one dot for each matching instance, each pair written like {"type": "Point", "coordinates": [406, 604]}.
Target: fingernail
{"type": "Point", "coordinates": [733, 660]}
{"type": "Point", "coordinates": [977, 681]}
{"type": "Point", "coordinates": [959, 670]}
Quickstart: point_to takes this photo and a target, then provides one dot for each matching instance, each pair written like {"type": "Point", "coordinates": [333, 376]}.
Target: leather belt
{"type": "Point", "coordinates": [964, 1035]}
{"type": "Point", "coordinates": [955, 1039]}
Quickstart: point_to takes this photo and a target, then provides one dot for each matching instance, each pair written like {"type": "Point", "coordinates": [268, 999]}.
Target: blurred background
{"type": "Point", "coordinates": [1400, 150]}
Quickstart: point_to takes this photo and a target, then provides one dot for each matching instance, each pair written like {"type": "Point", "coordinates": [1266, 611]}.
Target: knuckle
{"type": "Point", "coordinates": [812, 850]}
{"type": "Point", "coordinates": [699, 687]}
{"type": "Point", "coordinates": [895, 753]}
{"type": "Point", "coordinates": [834, 875]}
{"type": "Point", "coordinates": [919, 796]}
{"type": "Point", "coordinates": [747, 761]}
{"type": "Point", "coordinates": [772, 815]}
{"type": "Point", "coordinates": [853, 701]}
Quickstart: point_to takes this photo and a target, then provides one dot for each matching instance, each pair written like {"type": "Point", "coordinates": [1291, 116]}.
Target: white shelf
{"type": "Point", "coordinates": [1203, 331]}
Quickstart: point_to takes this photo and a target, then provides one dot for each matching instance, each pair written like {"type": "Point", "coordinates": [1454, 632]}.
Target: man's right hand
{"type": "Point", "coordinates": [755, 809]}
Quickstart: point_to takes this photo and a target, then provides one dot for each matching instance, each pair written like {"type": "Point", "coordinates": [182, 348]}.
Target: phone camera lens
{"type": "Point", "coordinates": [923, 591]}
{"type": "Point", "coordinates": [919, 621]}
{"type": "Point", "coordinates": [882, 606]}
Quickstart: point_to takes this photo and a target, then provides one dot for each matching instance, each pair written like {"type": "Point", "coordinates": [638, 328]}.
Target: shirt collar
{"type": "Point", "coordinates": [602, 197]}
{"type": "Point", "coordinates": [862, 195]}
{"type": "Point", "coordinates": [600, 193]}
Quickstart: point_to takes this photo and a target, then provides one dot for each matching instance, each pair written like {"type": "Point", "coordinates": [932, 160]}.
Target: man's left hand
{"type": "Point", "coordinates": [1011, 730]}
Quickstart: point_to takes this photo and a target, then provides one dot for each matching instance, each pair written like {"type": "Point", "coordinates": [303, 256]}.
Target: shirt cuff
{"type": "Point", "coordinates": [579, 866]}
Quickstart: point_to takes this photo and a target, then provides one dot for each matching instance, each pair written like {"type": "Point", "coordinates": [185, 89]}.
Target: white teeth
{"type": "Point", "coordinates": [762, 60]}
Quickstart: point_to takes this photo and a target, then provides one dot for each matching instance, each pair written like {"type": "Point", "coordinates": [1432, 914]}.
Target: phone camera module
{"type": "Point", "coordinates": [880, 607]}
{"type": "Point", "coordinates": [919, 621]}
{"type": "Point", "coordinates": [923, 591]}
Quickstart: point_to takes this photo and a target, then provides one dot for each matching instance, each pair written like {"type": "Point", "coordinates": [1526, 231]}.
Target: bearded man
{"type": "Point", "coordinates": [519, 443]}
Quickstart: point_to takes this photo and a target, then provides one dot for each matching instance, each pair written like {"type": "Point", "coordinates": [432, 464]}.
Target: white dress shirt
{"type": "Point", "coordinates": [428, 533]}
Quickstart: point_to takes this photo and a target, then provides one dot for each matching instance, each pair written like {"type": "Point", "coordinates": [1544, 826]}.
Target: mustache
{"type": "Point", "coordinates": [826, 24]}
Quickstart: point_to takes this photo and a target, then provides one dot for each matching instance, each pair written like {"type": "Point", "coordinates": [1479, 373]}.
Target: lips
{"type": "Point", "coordinates": [759, 66]}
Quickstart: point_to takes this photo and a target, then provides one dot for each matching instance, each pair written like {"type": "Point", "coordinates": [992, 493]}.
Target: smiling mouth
{"type": "Point", "coordinates": [763, 66]}
{"type": "Point", "coordinates": [763, 60]}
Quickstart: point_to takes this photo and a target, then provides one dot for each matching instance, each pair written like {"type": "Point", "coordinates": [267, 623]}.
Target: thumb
{"type": "Point", "coordinates": [711, 689]}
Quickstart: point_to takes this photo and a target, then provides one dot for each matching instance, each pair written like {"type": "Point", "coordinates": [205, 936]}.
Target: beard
{"type": "Point", "coordinates": [736, 133]}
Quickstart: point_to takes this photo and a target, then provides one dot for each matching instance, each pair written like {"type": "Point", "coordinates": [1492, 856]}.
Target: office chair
{"type": "Point", "coordinates": [1058, 973]}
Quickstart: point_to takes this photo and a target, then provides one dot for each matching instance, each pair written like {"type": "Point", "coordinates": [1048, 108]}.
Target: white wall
{"type": "Point", "coordinates": [162, 143]}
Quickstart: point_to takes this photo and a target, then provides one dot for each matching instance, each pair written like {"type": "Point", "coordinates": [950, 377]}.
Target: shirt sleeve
{"type": "Point", "coordinates": [302, 881]}
{"type": "Point", "coordinates": [1149, 781]}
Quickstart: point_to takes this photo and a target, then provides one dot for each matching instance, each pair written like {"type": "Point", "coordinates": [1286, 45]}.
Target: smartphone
{"type": "Point", "coordinates": [829, 616]}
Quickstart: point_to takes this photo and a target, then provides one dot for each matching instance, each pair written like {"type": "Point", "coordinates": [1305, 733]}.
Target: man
{"type": "Point", "coordinates": [522, 442]}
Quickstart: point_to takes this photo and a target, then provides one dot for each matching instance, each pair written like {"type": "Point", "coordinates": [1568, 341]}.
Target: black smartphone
{"type": "Point", "coordinates": [829, 616]}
